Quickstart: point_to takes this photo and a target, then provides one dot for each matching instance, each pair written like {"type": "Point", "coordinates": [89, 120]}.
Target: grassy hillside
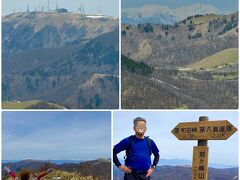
{"type": "Point", "coordinates": [34, 104]}
{"type": "Point", "coordinates": [66, 176]}
{"type": "Point", "coordinates": [57, 174]}
{"type": "Point", "coordinates": [221, 58]}
{"type": "Point", "coordinates": [204, 19]}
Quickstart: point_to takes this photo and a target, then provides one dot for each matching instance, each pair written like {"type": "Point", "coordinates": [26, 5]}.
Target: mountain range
{"type": "Point", "coordinates": [185, 162]}
{"type": "Point", "coordinates": [160, 14]}
{"type": "Point", "coordinates": [192, 64]}
{"type": "Point", "coordinates": [184, 172]}
{"type": "Point", "coordinates": [63, 58]}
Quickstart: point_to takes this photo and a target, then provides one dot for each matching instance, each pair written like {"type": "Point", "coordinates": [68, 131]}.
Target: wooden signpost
{"type": "Point", "coordinates": [203, 131]}
{"type": "Point", "coordinates": [200, 162]}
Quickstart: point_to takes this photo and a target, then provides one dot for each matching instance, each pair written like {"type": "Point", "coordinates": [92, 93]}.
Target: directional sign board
{"type": "Point", "coordinates": [204, 130]}
{"type": "Point", "coordinates": [200, 163]}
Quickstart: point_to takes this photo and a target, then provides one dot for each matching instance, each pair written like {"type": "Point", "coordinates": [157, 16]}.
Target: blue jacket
{"type": "Point", "coordinates": [139, 158]}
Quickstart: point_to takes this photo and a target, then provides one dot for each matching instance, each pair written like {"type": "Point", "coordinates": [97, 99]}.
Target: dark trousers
{"type": "Point", "coordinates": [136, 176]}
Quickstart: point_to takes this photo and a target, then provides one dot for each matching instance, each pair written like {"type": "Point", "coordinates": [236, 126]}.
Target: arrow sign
{"type": "Point", "coordinates": [204, 130]}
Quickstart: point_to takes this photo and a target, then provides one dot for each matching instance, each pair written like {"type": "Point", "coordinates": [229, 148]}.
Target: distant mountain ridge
{"type": "Point", "coordinates": [184, 173]}
{"type": "Point", "coordinates": [158, 14]}
{"type": "Point", "coordinates": [50, 161]}
{"type": "Point", "coordinates": [184, 162]}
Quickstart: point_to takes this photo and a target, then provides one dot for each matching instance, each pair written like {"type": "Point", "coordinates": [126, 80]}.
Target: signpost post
{"type": "Point", "coordinates": [200, 163]}
{"type": "Point", "coordinates": [203, 131]}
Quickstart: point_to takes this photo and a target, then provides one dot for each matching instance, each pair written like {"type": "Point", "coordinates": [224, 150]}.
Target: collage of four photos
{"type": "Point", "coordinates": [119, 90]}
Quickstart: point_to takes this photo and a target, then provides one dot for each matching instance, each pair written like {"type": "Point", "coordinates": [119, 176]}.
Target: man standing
{"type": "Point", "coordinates": [138, 153]}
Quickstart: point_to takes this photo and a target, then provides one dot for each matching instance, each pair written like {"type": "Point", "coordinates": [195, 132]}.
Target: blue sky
{"type": "Point", "coordinates": [56, 135]}
{"type": "Point", "coordinates": [229, 6]}
{"type": "Point", "coordinates": [108, 7]}
{"type": "Point", "coordinates": [160, 125]}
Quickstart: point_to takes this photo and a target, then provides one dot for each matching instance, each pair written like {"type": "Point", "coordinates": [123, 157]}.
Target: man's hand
{"type": "Point", "coordinates": [6, 169]}
{"type": "Point", "coordinates": [150, 171]}
{"type": "Point", "coordinates": [49, 170]}
{"type": "Point", "coordinates": [125, 169]}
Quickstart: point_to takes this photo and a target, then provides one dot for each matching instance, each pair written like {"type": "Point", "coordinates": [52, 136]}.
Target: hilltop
{"type": "Point", "coordinates": [56, 57]}
{"type": "Point", "coordinates": [50, 29]}
{"type": "Point", "coordinates": [99, 169]}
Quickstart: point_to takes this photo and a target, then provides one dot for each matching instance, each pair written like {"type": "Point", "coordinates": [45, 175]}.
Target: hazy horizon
{"type": "Point", "coordinates": [37, 159]}
{"type": "Point", "coordinates": [189, 162]}
{"type": "Point", "coordinates": [226, 6]}
{"type": "Point", "coordinates": [55, 161]}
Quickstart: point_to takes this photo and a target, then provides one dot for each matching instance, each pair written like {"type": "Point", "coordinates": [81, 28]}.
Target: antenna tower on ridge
{"type": "Point", "coordinates": [56, 4]}
{"type": "Point", "coordinates": [99, 10]}
{"type": "Point", "coordinates": [48, 8]}
{"type": "Point", "coordinates": [28, 8]}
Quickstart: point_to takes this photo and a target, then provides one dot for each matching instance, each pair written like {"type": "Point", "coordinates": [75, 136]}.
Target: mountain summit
{"type": "Point", "coordinates": [158, 14]}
